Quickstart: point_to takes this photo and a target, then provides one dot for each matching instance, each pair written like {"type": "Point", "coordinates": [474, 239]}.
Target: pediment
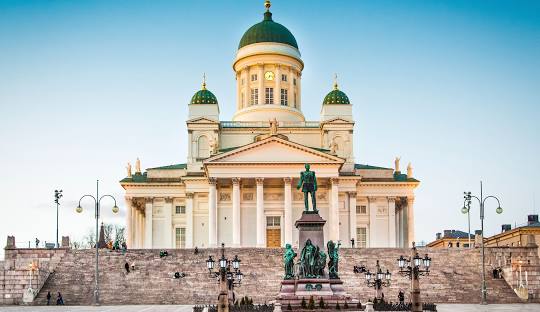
{"type": "Point", "coordinates": [202, 120]}
{"type": "Point", "coordinates": [274, 150]}
{"type": "Point", "coordinates": [337, 120]}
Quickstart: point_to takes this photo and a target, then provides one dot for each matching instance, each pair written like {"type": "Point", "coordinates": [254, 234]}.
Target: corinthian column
{"type": "Point", "coordinates": [189, 220]}
{"type": "Point", "coordinates": [333, 216]}
{"type": "Point", "coordinates": [148, 223]}
{"type": "Point", "coordinates": [129, 222]}
{"type": "Point", "coordinates": [392, 222]}
{"type": "Point", "coordinates": [212, 212]}
{"type": "Point", "coordinates": [288, 211]}
{"type": "Point", "coordinates": [237, 227]}
{"type": "Point", "coordinates": [260, 213]}
{"type": "Point", "coordinates": [168, 231]}
{"type": "Point", "coordinates": [410, 219]}
{"type": "Point", "coordinates": [352, 215]}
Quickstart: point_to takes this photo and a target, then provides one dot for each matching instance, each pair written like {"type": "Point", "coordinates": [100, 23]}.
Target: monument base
{"type": "Point", "coordinates": [330, 290]}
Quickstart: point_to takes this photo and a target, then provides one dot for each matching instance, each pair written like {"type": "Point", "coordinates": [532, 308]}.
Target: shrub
{"type": "Point", "coordinates": [289, 308]}
{"type": "Point", "coordinates": [337, 306]}
{"type": "Point", "coordinates": [311, 304]}
{"type": "Point", "coordinates": [303, 304]}
{"type": "Point", "coordinates": [345, 305]}
{"type": "Point", "coordinates": [321, 303]}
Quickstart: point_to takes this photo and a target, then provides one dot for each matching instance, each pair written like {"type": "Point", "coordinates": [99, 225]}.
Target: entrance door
{"type": "Point", "coordinates": [273, 232]}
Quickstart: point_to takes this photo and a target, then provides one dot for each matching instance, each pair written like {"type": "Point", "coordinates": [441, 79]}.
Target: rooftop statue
{"type": "Point", "coordinates": [308, 183]}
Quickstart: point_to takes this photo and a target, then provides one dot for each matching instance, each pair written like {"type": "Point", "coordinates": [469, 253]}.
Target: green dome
{"type": "Point", "coordinates": [267, 31]}
{"type": "Point", "coordinates": [204, 96]}
{"type": "Point", "coordinates": [336, 96]}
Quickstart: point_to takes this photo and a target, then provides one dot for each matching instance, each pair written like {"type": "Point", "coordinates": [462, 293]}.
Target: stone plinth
{"type": "Point", "coordinates": [310, 226]}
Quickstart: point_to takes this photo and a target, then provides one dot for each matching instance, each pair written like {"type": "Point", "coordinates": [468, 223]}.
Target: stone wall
{"type": "Point", "coordinates": [455, 276]}
{"type": "Point", "coordinates": [15, 275]}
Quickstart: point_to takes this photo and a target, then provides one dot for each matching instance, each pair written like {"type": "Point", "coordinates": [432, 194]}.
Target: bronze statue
{"type": "Point", "coordinates": [308, 182]}
{"type": "Point", "coordinates": [333, 255]}
{"type": "Point", "coordinates": [288, 261]}
{"type": "Point", "coordinates": [308, 260]}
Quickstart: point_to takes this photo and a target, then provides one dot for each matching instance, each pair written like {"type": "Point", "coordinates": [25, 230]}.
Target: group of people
{"type": "Point", "coordinates": [59, 299]}
{"type": "Point", "coordinates": [117, 246]}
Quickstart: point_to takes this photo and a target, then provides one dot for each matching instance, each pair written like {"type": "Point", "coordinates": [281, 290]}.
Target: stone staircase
{"type": "Point", "coordinates": [455, 276]}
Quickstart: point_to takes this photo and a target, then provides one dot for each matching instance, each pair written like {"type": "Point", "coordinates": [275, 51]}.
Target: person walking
{"type": "Point", "coordinates": [126, 266]}
{"type": "Point", "coordinates": [59, 299]}
{"type": "Point", "coordinates": [49, 298]}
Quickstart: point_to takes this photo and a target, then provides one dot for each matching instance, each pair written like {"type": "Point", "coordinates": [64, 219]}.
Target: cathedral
{"type": "Point", "coordinates": [238, 184]}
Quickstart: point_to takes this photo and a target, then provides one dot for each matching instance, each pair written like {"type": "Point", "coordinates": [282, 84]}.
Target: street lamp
{"type": "Point", "coordinates": [412, 268]}
{"type": "Point", "coordinates": [57, 196]}
{"type": "Point", "coordinates": [466, 205]}
{"type": "Point", "coordinates": [79, 209]}
{"type": "Point", "coordinates": [380, 278]}
{"type": "Point", "coordinates": [228, 275]}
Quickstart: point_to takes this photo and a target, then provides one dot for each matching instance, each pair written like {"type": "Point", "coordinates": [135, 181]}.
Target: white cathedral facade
{"type": "Point", "coordinates": [238, 185]}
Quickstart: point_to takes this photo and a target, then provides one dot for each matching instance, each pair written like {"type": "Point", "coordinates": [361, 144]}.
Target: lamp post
{"type": "Point", "coordinates": [79, 209]}
{"type": "Point", "coordinates": [411, 267]}
{"type": "Point", "coordinates": [380, 279]}
{"type": "Point", "coordinates": [228, 275]}
{"type": "Point", "coordinates": [466, 208]}
{"type": "Point", "coordinates": [57, 196]}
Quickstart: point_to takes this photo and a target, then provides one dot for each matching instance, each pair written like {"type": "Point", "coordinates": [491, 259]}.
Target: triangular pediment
{"type": "Point", "coordinates": [202, 120]}
{"type": "Point", "coordinates": [274, 150]}
{"type": "Point", "coordinates": [337, 120]}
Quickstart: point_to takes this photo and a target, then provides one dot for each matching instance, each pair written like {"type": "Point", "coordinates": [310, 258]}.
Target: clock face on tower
{"type": "Point", "coordinates": [269, 75]}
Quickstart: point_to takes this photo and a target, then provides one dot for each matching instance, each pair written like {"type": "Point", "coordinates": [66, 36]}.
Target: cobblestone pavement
{"type": "Point", "coordinates": [187, 308]}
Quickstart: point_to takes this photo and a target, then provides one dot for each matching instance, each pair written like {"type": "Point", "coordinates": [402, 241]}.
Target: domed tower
{"type": "Point", "coordinates": [336, 104]}
{"type": "Point", "coordinates": [204, 104]}
{"type": "Point", "coordinates": [268, 71]}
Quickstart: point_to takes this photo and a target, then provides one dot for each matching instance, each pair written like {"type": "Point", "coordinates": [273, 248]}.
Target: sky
{"type": "Point", "coordinates": [86, 86]}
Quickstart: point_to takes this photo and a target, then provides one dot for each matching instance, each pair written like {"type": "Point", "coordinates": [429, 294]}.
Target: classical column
{"type": "Point", "coordinates": [288, 222]}
{"type": "Point", "coordinates": [299, 88]}
{"type": "Point", "coordinates": [140, 224]}
{"type": "Point", "coordinates": [260, 80]}
{"type": "Point", "coordinates": [352, 215]}
{"type": "Point", "coordinates": [148, 239]}
{"type": "Point", "coordinates": [168, 230]}
{"type": "Point", "coordinates": [333, 215]}
{"type": "Point", "coordinates": [212, 212]}
{"type": "Point", "coordinates": [372, 215]}
{"type": "Point", "coordinates": [391, 222]}
{"type": "Point", "coordinates": [247, 93]}
{"type": "Point", "coordinates": [134, 226]}
{"type": "Point", "coordinates": [277, 91]}
{"type": "Point", "coordinates": [129, 224]}
{"type": "Point", "coordinates": [398, 225]}
{"type": "Point", "coordinates": [236, 218]}
{"type": "Point", "coordinates": [405, 224]}
{"type": "Point", "coordinates": [189, 220]}
{"type": "Point", "coordinates": [410, 219]}
{"type": "Point", "coordinates": [260, 213]}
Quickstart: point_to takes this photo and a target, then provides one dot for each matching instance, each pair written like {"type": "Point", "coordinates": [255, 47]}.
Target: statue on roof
{"type": "Point", "coordinates": [396, 164]}
{"type": "Point", "coordinates": [409, 171]}
{"type": "Point", "coordinates": [308, 183]}
{"type": "Point", "coordinates": [128, 167]}
{"type": "Point", "coordinates": [138, 165]}
{"type": "Point", "coordinates": [273, 126]}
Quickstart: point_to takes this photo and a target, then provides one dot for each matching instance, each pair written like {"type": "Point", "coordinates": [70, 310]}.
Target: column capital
{"type": "Point", "coordinates": [259, 181]}
{"type": "Point", "coordinates": [391, 198]}
{"type": "Point", "coordinates": [235, 181]}
{"type": "Point", "coordinates": [190, 195]}
{"type": "Point", "coordinates": [149, 200]}
{"type": "Point", "coordinates": [168, 200]}
{"type": "Point", "coordinates": [287, 180]}
{"type": "Point", "coordinates": [410, 199]}
{"type": "Point", "coordinates": [334, 181]}
{"type": "Point", "coordinates": [371, 198]}
{"type": "Point", "coordinates": [352, 194]}
{"type": "Point", "coordinates": [212, 181]}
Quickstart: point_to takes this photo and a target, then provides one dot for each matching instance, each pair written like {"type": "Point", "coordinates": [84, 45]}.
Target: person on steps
{"type": "Point", "coordinates": [49, 298]}
{"type": "Point", "coordinates": [126, 266]}
{"type": "Point", "coordinates": [59, 299]}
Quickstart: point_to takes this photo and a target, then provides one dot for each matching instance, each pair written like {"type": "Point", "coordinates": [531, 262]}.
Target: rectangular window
{"type": "Point", "coordinates": [253, 77]}
{"type": "Point", "coordinates": [269, 96]}
{"type": "Point", "coordinates": [254, 96]}
{"type": "Point", "coordinates": [273, 221]}
{"type": "Point", "coordinates": [284, 95]}
{"type": "Point", "coordinates": [180, 237]}
{"type": "Point", "coordinates": [180, 209]}
{"type": "Point", "coordinates": [361, 237]}
{"type": "Point", "coordinates": [294, 100]}
{"type": "Point", "coordinates": [283, 77]}
{"type": "Point", "coordinates": [361, 210]}
{"type": "Point", "coordinates": [242, 100]}
{"type": "Point", "coordinates": [294, 81]}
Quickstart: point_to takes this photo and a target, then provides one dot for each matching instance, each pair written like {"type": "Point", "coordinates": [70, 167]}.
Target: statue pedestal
{"type": "Point", "coordinates": [310, 226]}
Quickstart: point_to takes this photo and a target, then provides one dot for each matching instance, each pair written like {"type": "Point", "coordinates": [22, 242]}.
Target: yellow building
{"type": "Point", "coordinates": [524, 235]}
{"type": "Point", "coordinates": [452, 239]}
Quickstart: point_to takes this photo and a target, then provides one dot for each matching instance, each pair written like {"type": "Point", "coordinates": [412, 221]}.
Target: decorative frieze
{"type": "Point", "coordinates": [224, 196]}
{"type": "Point", "coordinates": [273, 196]}
{"type": "Point", "coordinates": [247, 196]}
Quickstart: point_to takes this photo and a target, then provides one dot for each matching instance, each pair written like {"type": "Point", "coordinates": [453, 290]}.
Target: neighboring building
{"type": "Point", "coordinates": [452, 239]}
{"type": "Point", "coordinates": [523, 235]}
{"type": "Point", "coordinates": [238, 185]}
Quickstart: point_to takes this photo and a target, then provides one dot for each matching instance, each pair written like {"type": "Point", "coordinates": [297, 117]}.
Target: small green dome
{"type": "Point", "coordinates": [204, 96]}
{"type": "Point", "coordinates": [336, 96]}
{"type": "Point", "coordinates": [267, 31]}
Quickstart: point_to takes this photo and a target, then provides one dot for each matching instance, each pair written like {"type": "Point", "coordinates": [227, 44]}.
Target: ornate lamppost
{"type": "Point", "coordinates": [466, 208]}
{"type": "Point", "coordinates": [57, 196]}
{"type": "Point", "coordinates": [79, 209]}
{"type": "Point", "coordinates": [380, 278]}
{"type": "Point", "coordinates": [411, 267]}
{"type": "Point", "coordinates": [228, 275]}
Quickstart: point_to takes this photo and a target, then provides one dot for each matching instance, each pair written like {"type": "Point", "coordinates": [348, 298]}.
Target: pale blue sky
{"type": "Point", "coordinates": [86, 86]}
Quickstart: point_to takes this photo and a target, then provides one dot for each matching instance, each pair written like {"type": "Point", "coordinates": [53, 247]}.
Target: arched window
{"type": "Point", "coordinates": [202, 147]}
